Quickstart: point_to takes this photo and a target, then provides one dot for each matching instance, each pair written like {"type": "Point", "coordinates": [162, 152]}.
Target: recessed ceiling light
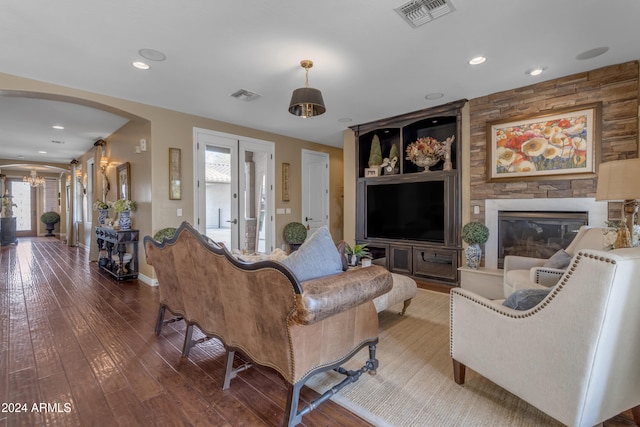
{"type": "Point", "coordinates": [435, 95]}
{"type": "Point", "coordinates": [152, 54]}
{"type": "Point", "coordinates": [141, 65]}
{"type": "Point", "coordinates": [477, 60]}
{"type": "Point", "coordinates": [42, 152]}
{"type": "Point", "coordinates": [57, 127]}
{"type": "Point", "coordinates": [536, 71]}
{"type": "Point", "coordinates": [592, 53]}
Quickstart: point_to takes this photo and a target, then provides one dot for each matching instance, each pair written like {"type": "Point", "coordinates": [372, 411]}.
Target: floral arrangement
{"type": "Point", "coordinates": [123, 205]}
{"type": "Point", "coordinates": [7, 205]}
{"type": "Point", "coordinates": [425, 147]}
{"type": "Point", "coordinates": [544, 145]}
{"type": "Point", "coordinates": [475, 233]}
{"type": "Point", "coordinates": [100, 205]}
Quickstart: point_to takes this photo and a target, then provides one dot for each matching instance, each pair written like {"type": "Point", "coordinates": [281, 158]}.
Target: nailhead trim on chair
{"type": "Point", "coordinates": [538, 307]}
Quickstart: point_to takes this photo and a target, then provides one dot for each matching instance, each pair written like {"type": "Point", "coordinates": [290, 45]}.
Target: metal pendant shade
{"type": "Point", "coordinates": [306, 101]}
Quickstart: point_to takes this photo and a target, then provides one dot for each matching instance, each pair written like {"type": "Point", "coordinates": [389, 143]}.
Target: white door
{"type": "Point", "coordinates": [315, 190]}
{"type": "Point", "coordinates": [234, 190]}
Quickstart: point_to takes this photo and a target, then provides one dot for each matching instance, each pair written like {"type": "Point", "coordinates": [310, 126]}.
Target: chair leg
{"type": "Point", "coordinates": [160, 321]}
{"type": "Point", "coordinates": [458, 372]}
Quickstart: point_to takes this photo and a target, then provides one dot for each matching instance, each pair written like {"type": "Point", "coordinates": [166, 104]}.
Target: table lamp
{"type": "Point", "coordinates": [620, 181]}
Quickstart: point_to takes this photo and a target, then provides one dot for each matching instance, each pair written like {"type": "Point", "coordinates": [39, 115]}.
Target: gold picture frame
{"type": "Point", "coordinates": [124, 181]}
{"type": "Point", "coordinates": [555, 144]}
{"type": "Point", "coordinates": [175, 174]}
{"type": "Point", "coordinates": [285, 181]}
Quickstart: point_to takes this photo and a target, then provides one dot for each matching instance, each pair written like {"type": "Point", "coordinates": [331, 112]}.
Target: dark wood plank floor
{"type": "Point", "coordinates": [78, 348]}
{"type": "Point", "coordinates": [82, 344]}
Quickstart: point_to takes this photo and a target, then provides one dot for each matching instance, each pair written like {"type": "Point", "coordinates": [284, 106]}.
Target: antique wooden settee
{"type": "Point", "coordinates": [261, 310]}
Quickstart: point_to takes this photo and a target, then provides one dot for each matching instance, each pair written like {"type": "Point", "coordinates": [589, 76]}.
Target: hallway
{"type": "Point", "coordinates": [82, 344]}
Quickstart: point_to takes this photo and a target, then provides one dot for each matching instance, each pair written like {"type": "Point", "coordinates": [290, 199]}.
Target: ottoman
{"type": "Point", "coordinates": [404, 289]}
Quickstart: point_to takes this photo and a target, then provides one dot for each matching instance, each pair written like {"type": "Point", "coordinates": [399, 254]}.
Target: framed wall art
{"type": "Point", "coordinates": [175, 174]}
{"type": "Point", "coordinates": [124, 181]}
{"type": "Point", "coordinates": [559, 144]}
{"type": "Point", "coordinates": [285, 182]}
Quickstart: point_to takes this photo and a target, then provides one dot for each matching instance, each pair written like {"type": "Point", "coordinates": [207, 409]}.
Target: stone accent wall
{"type": "Point", "coordinates": [615, 86]}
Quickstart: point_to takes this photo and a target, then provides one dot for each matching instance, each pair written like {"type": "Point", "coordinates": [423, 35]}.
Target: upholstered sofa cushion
{"type": "Point", "coordinates": [524, 299]}
{"type": "Point", "coordinates": [316, 257]}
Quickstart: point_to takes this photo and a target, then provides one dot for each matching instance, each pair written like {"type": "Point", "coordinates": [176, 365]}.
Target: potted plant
{"type": "Point", "coordinates": [7, 205]}
{"type": "Point", "coordinates": [50, 219]}
{"type": "Point", "coordinates": [356, 252]}
{"type": "Point", "coordinates": [124, 207]}
{"type": "Point", "coordinates": [474, 234]}
{"type": "Point", "coordinates": [294, 234]}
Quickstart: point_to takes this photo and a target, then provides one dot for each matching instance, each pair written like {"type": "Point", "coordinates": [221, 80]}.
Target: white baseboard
{"type": "Point", "coordinates": [147, 280]}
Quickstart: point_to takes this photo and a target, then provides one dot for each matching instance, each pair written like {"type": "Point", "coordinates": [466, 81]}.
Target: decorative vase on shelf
{"type": "Point", "coordinates": [473, 254]}
{"type": "Point", "coordinates": [102, 216]}
{"type": "Point", "coordinates": [425, 162]}
{"type": "Point", "coordinates": [125, 220]}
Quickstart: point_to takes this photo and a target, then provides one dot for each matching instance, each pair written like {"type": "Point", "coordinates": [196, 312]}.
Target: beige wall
{"type": "Point", "coordinates": [166, 128]}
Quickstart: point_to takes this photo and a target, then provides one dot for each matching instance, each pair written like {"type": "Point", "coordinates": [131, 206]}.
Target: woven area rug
{"type": "Point", "coordinates": [414, 385]}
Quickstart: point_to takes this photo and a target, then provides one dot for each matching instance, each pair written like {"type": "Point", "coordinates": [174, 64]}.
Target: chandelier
{"type": "Point", "coordinates": [33, 179]}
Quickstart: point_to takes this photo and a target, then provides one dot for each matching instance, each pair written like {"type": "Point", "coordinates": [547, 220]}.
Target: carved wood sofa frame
{"type": "Point", "coordinates": [261, 310]}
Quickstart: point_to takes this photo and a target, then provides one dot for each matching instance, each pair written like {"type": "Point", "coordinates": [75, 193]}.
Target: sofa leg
{"type": "Point", "coordinates": [406, 305]}
{"type": "Point", "coordinates": [228, 373]}
{"type": "Point", "coordinates": [292, 416]}
{"type": "Point", "coordinates": [458, 372]}
{"type": "Point", "coordinates": [635, 411]}
{"type": "Point", "coordinates": [160, 321]}
{"type": "Point", "coordinates": [188, 341]}
{"type": "Point", "coordinates": [372, 363]}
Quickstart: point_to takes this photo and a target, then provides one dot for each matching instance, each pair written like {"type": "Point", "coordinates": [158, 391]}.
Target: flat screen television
{"type": "Point", "coordinates": [406, 211]}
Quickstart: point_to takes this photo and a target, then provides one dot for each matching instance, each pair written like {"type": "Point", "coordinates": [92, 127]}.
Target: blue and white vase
{"type": "Point", "coordinates": [125, 220]}
{"type": "Point", "coordinates": [102, 215]}
{"type": "Point", "coordinates": [473, 254]}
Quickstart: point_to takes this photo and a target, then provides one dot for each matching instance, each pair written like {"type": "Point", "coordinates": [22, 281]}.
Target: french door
{"type": "Point", "coordinates": [24, 196]}
{"type": "Point", "coordinates": [234, 201]}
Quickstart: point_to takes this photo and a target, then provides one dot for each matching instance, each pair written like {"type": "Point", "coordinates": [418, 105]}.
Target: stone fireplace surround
{"type": "Point", "coordinates": [598, 214]}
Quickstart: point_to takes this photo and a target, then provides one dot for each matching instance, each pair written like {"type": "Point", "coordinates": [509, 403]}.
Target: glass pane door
{"type": "Point", "coordinates": [220, 219]}
{"type": "Point", "coordinates": [24, 196]}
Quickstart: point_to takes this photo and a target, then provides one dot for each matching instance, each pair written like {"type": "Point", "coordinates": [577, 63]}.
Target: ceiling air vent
{"type": "Point", "coordinates": [419, 12]}
{"type": "Point", "coordinates": [245, 95]}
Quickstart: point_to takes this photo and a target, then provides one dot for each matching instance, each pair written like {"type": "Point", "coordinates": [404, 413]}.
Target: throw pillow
{"type": "Point", "coordinates": [560, 260]}
{"type": "Point", "coordinates": [316, 257]}
{"type": "Point", "coordinates": [524, 299]}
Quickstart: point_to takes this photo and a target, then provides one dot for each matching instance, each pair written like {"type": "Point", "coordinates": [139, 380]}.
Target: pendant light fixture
{"type": "Point", "coordinates": [306, 101]}
{"type": "Point", "coordinates": [33, 179]}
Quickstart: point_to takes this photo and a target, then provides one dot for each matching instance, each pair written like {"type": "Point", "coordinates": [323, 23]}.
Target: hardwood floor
{"type": "Point", "coordinates": [82, 344]}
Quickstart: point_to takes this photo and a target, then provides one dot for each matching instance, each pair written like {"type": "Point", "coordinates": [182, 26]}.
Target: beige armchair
{"type": "Point", "coordinates": [529, 273]}
{"type": "Point", "coordinates": [575, 355]}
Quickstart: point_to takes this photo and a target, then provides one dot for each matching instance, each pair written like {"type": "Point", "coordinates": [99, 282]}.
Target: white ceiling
{"type": "Point", "coordinates": [368, 62]}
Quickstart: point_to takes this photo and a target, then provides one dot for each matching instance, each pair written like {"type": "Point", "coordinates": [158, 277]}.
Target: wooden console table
{"type": "Point", "coordinates": [117, 261]}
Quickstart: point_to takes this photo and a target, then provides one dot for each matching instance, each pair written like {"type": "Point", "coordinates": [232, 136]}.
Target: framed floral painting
{"type": "Point", "coordinates": [560, 144]}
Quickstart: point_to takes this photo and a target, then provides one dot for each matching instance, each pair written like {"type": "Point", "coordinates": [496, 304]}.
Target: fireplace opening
{"type": "Point", "coordinates": [537, 234]}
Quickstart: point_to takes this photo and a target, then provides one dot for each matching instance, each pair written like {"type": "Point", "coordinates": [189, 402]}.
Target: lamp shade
{"type": "Point", "coordinates": [306, 102]}
{"type": "Point", "coordinates": [619, 180]}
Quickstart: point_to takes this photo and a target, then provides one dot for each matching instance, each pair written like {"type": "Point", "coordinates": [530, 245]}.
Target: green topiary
{"type": "Point", "coordinates": [294, 232]}
{"type": "Point", "coordinates": [50, 217]}
{"type": "Point", "coordinates": [393, 152]}
{"type": "Point", "coordinates": [375, 156]}
{"type": "Point", "coordinates": [475, 233]}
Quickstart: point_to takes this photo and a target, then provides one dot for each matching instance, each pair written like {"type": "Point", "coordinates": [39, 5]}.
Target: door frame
{"type": "Point", "coordinates": [199, 197]}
